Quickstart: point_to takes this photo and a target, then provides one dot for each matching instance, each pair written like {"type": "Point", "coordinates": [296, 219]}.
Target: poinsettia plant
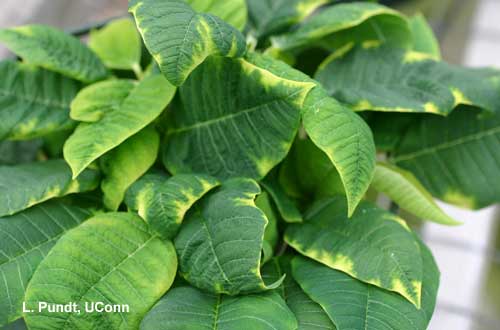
{"type": "Point", "coordinates": [217, 164]}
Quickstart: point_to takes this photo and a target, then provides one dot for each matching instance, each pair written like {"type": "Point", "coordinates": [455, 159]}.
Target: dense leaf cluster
{"type": "Point", "coordinates": [217, 164]}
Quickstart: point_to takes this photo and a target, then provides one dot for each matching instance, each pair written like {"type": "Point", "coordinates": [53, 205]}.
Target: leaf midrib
{"type": "Point", "coordinates": [37, 101]}
{"type": "Point", "coordinates": [128, 257]}
{"type": "Point", "coordinates": [447, 145]}
{"type": "Point", "coordinates": [215, 120]}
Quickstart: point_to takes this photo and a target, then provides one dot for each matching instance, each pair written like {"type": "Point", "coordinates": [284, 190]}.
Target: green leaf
{"type": "Point", "coordinates": [96, 100]}
{"type": "Point", "coordinates": [33, 102]}
{"type": "Point", "coordinates": [284, 204]}
{"type": "Point", "coordinates": [168, 201]}
{"type": "Point", "coordinates": [342, 24]}
{"type": "Point", "coordinates": [403, 188]}
{"type": "Point", "coordinates": [233, 12]}
{"type": "Point", "coordinates": [423, 37]}
{"type": "Point", "coordinates": [309, 314]}
{"type": "Point", "coordinates": [455, 157]}
{"type": "Point", "coordinates": [393, 79]}
{"type": "Point", "coordinates": [29, 184]}
{"type": "Point", "coordinates": [111, 258]}
{"type": "Point", "coordinates": [25, 239]}
{"type": "Point", "coordinates": [118, 44]}
{"type": "Point", "coordinates": [190, 308]}
{"type": "Point", "coordinates": [374, 246]}
{"type": "Point", "coordinates": [180, 39]}
{"type": "Point", "coordinates": [54, 50]}
{"type": "Point", "coordinates": [245, 130]}
{"type": "Point", "coordinates": [335, 129]}
{"type": "Point", "coordinates": [143, 104]}
{"type": "Point", "coordinates": [19, 152]}
{"type": "Point", "coordinates": [126, 163]}
{"type": "Point", "coordinates": [138, 197]}
{"type": "Point", "coordinates": [347, 141]}
{"type": "Point", "coordinates": [351, 304]}
{"type": "Point", "coordinates": [219, 246]}
{"type": "Point", "coordinates": [268, 17]}
{"type": "Point", "coordinates": [271, 234]}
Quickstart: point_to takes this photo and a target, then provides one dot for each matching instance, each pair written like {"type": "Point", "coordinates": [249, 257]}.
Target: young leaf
{"type": "Point", "coordinates": [233, 12]}
{"type": "Point", "coordinates": [219, 247]}
{"type": "Point", "coordinates": [169, 201]}
{"type": "Point", "coordinates": [454, 157]}
{"type": "Point", "coordinates": [96, 100]}
{"type": "Point", "coordinates": [374, 246]}
{"type": "Point", "coordinates": [111, 258]}
{"type": "Point", "coordinates": [347, 141]}
{"type": "Point", "coordinates": [128, 162]}
{"type": "Point", "coordinates": [342, 24]}
{"type": "Point", "coordinates": [403, 188]}
{"type": "Point", "coordinates": [29, 184]}
{"type": "Point", "coordinates": [54, 50]}
{"type": "Point", "coordinates": [190, 308]}
{"type": "Point", "coordinates": [25, 239]}
{"type": "Point", "coordinates": [118, 44]}
{"type": "Point", "coordinates": [236, 120]}
{"type": "Point", "coordinates": [394, 79]}
{"type": "Point", "coordinates": [143, 104]}
{"type": "Point", "coordinates": [267, 17]}
{"type": "Point", "coordinates": [424, 40]}
{"type": "Point", "coordinates": [33, 102]}
{"type": "Point", "coordinates": [180, 39]}
{"type": "Point", "coordinates": [351, 304]}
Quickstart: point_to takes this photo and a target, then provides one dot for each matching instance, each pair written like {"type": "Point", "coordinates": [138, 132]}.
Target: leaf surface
{"type": "Point", "coordinates": [424, 39]}
{"type": "Point", "coordinates": [342, 24]}
{"type": "Point", "coordinates": [33, 102]}
{"type": "Point", "coordinates": [219, 247]}
{"type": "Point", "coordinates": [398, 80]}
{"type": "Point", "coordinates": [284, 204]}
{"type": "Point", "coordinates": [126, 163]}
{"type": "Point", "coordinates": [118, 44]}
{"type": "Point", "coordinates": [237, 120]}
{"type": "Point", "coordinates": [347, 141]}
{"type": "Point", "coordinates": [455, 158]}
{"type": "Point", "coordinates": [403, 188]}
{"type": "Point", "coordinates": [25, 185]}
{"type": "Point", "coordinates": [111, 258]}
{"type": "Point", "coordinates": [374, 246]}
{"type": "Point", "coordinates": [180, 39]}
{"type": "Point", "coordinates": [144, 103]}
{"type": "Point", "coordinates": [54, 50]}
{"type": "Point", "coordinates": [271, 234]}
{"type": "Point", "coordinates": [140, 194]}
{"type": "Point", "coordinates": [340, 133]}
{"type": "Point", "coordinates": [96, 100]}
{"type": "Point", "coordinates": [352, 304]}
{"type": "Point", "coordinates": [233, 12]}
{"type": "Point", "coordinates": [267, 17]}
{"type": "Point", "coordinates": [309, 314]}
{"type": "Point", "coordinates": [190, 308]}
{"type": "Point", "coordinates": [25, 239]}
{"type": "Point", "coordinates": [172, 198]}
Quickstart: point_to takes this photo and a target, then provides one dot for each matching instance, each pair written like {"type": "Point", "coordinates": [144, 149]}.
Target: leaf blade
{"type": "Point", "coordinates": [50, 48]}
{"type": "Point", "coordinates": [25, 239]}
{"type": "Point", "coordinates": [404, 189]}
{"type": "Point", "coordinates": [151, 95]}
{"type": "Point", "coordinates": [114, 278]}
{"type": "Point", "coordinates": [197, 36]}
